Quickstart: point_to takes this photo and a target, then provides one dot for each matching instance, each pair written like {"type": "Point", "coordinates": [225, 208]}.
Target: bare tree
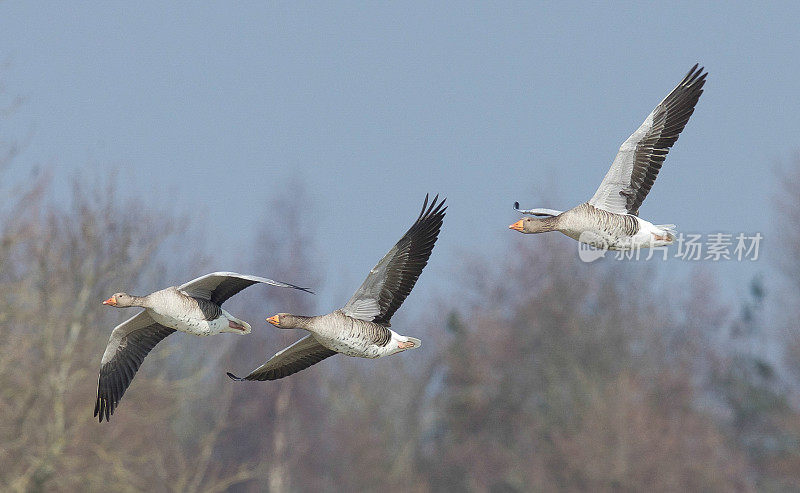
{"type": "Point", "coordinates": [58, 261]}
{"type": "Point", "coordinates": [277, 423]}
{"type": "Point", "coordinates": [546, 386]}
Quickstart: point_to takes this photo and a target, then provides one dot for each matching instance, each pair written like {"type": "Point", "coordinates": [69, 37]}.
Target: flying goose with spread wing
{"type": "Point", "coordinates": [611, 218]}
{"type": "Point", "coordinates": [361, 327]}
{"type": "Point", "coordinates": [194, 308]}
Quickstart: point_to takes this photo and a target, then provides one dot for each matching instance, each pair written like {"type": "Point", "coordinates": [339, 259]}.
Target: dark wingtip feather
{"type": "Point", "coordinates": [696, 75]}
{"type": "Point", "coordinates": [99, 410]}
{"type": "Point", "coordinates": [516, 205]}
{"type": "Point", "coordinates": [433, 208]}
{"type": "Point", "coordinates": [234, 377]}
{"type": "Point", "coordinates": [424, 206]}
{"type": "Point", "coordinates": [307, 290]}
{"type": "Point", "coordinates": [102, 408]}
{"type": "Point", "coordinates": [675, 111]}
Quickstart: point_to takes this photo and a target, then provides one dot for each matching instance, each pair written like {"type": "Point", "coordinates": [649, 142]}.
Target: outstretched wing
{"type": "Point", "coordinates": [299, 356]}
{"type": "Point", "coordinates": [389, 283]}
{"type": "Point", "coordinates": [129, 344]}
{"type": "Point", "coordinates": [219, 286]}
{"type": "Point", "coordinates": [639, 159]}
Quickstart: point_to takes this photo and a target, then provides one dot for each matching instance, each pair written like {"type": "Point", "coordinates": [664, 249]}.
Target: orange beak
{"type": "Point", "coordinates": [516, 226]}
{"type": "Point", "coordinates": [111, 301]}
{"type": "Point", "coordinates": [274, 320]}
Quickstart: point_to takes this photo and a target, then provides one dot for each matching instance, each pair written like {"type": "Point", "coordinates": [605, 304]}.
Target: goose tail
{"type": "Point", "coordinates": [669, 229]}
{"type": "Point", "coordinates": [417, 342]}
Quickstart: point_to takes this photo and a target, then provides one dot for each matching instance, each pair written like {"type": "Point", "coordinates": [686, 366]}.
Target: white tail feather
{"type": "Point", "coordinates": [417, 342]}
{"type": "Point", "coordinates": [670, 229]}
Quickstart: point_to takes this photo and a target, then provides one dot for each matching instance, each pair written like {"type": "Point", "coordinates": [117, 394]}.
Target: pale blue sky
{"type": "Point", "coordinates": [375, 104]}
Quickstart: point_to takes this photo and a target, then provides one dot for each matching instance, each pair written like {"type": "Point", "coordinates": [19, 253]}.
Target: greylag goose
{"type": "Point", "coordinates": [194, 308]}
{"type": "Point", "coordinates": [360, 328]}
{"type": "Point", "coordinates": [611, 218]}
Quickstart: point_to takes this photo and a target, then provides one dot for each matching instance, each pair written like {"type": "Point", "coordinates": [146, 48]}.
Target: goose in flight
{"type": "Point", "coordinates": [611, 218]}
{"type": "Point", "coordinates": [361, 327]}
{"type": "Point", "coordinates": [194, 308]}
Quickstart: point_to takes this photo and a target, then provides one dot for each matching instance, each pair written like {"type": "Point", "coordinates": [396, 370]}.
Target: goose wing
{"type": "Point", "coordinates": [299, 356]}
{"type": "Point", "coordinates": [639, 159]}
{"type": "Point", "coordinates": [217, 287]}
{"type": "Point", "coordinates": [389, 283]}
{"type": "Point", "coordinates": [537, 212]}
{"type": "Point", "coordinates": [127, 347]}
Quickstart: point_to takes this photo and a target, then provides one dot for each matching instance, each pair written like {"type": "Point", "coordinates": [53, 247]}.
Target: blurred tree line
{"type": "Point", "coordinates": [538, 372]}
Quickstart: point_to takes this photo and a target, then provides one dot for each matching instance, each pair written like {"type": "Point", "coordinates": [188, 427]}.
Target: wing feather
{"type": "Point", "coordinates": [299, 356]}
{"type": "Point", "coordinates": [127, 347]}
{"type": "Point", "coordinates": [392, 279]}
{"type": "Point", "coordinates": [640, 157]}
{"type": "Point", "coordinates": [220, 286]}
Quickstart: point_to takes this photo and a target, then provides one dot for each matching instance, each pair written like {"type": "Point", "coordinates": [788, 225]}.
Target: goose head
{"type": "Point", "coordinates": [121, 300]}
{"type": "Point", "coordinates": [528, 225]}
{"type": "Point", "coordinates": [288, 321]}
